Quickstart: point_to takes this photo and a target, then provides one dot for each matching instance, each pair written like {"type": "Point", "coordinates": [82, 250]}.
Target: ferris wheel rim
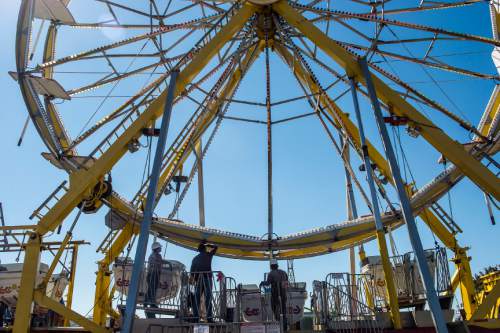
{"type": "Point", "coordinates": [35, 105]}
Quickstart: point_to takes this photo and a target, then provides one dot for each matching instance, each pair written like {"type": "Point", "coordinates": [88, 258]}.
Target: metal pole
{"type": "Point", "coordinates": [352, 213]}
{"type": "Point", "coordinates": [384, 254]}
{"type": "Point", "coordinates": [269, 150]}
{"type": "Point", "coordinates": [432, 299]}
{"type": "Point", "coordinates": [148, 212]}
{"type": "Point", "coordinates": [201, 191]}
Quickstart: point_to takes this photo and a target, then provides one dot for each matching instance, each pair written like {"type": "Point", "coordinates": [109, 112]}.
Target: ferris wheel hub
{"type": "Point", "coordinates": [263, 2]}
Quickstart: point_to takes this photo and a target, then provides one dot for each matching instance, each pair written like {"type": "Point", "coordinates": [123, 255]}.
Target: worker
{"type": "Point", "coordinates": [278, 280]}
{"type": "Point", "coordinates": [201, 276]}
{"type": "Point", "coordinates": [155, 263]}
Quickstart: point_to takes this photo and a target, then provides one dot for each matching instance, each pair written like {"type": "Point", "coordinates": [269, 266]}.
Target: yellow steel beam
{"type": "Point", "coordinates": [55, 261]}
{"type": "Point", "coordinates": [488, 305]}
{"type": "Point", "coordinates": [451, 149]}
{"type": "Point", "coordinates": [71, 315]}
{"type": "Point", "coordinates": [17, 227]}
{"type": "Point", "coordinates": [101, 298]}
{"type": "Point", "coordinates": [71, 284]}
{"type": "Point", "coordinates": [27, 286]}
{"type": "Point", "coordinates": [82, 181]}
{"type": "Point", "coordinates": [390, 285]}
{"type": "Point", "coordinates": [462, 277]}
{"type": "Point", "coordinates": [466, 281]}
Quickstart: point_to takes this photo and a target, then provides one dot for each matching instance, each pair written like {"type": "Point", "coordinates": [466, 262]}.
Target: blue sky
{"type": "Point", "coordinates": [308, 176]}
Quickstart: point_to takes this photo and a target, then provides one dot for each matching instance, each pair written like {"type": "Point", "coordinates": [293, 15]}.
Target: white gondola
{"type": "Point", "coordinates": [54, 10]}
{"type": "Point", "coordinates": [403, 272]}
{"type": "Point", "coordinates": [44, 86]}
{"type": "Point", "coordinates": [169, 283]}
{"type": "Point", "coordinates": [10, 280]}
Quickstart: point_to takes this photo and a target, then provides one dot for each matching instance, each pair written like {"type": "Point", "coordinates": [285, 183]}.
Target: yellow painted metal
{"type": "Point", "coordinates": [17, 227]}
{"type": "Point", "coordinates": [27, 286]}
{"type": "Point", "coordinates": [488, 298]}
{"type": "Point", "coordinates": [102, 299]}
{"type": "Point", "coordinates": [466, 282]}
{"type": "Point", "coordinates": [462, 277]}
{"type": "Point", "coordinates": [389, 280]}
{"type": "Point", "coordinates": [55, 261]}
{"type": "Point", "coordinates": [491, 324]}
{"type": "Point", "coordinates": [82, 181]}
{"type": "Point", "coordinates": [71, 284]}
{"type": "Point", "coordinates": [451, 149]}
{"type": "Point", "coordinates": [71, 315]}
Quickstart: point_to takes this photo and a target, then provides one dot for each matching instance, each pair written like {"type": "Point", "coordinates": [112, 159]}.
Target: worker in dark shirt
{"type": "Point", "coordinates": [278, 280]}
{"type": "Point", "coordinates": [155, 263]}
{"type": "Point", "coordinates": [201, 276]}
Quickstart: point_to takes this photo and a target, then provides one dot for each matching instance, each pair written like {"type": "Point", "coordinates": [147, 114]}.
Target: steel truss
{"type": "Point", "coordinates": [232, 37]}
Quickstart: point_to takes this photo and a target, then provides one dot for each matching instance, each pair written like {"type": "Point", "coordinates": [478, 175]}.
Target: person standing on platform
{"type": "Point", "coordinates": [155, 263]}
{"type": "Point", "coordinates": [278, 280]}
{"type": "Point", "coordinates": [201, 276]}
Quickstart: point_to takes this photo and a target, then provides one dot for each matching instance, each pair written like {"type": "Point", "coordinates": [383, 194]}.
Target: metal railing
{"type": "Point", "coordinates": [170, 291]}
{"type": "Point", "coordinates": [159, 289]}
{"type": "Point", "coordinates": [336, 309]}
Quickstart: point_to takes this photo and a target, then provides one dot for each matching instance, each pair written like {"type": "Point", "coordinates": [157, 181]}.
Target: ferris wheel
{"type": "Point", "coordinates": [95, 77]}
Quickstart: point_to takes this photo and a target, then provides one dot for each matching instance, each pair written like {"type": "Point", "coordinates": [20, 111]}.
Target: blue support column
{"type": "Point", "coordinates": [416, 243]}
{"type": "Point", "coordinates": [142, 243]}
{"type": "Point", "coordinates": [380, 231]}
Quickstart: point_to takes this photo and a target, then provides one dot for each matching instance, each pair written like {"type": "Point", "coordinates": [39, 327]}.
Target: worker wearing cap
{"type": "Point", "coordinates": [278, 280]}
{"type": "Point", "coordinates": [201, 276]}
{"type": "Point", "coordinates": [155, 263]}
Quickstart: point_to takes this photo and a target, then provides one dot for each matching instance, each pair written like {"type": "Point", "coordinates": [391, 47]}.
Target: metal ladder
{"type": "Point", "coordinates": [48, 203]}
{"type": "Point", "coordinates": [445, 218]}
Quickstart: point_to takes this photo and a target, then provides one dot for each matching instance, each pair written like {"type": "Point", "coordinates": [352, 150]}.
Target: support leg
{"type": "Point", "coordinates": [432, 298]}
{"type": "Point", "coordinates": [71, 285]}
{"type": "Point", "coordinates": [148, 212]}
{"type": "Point", "coordinates": [101, 293]}
{"type": "Point", "coordinates": [28, 280]}
{"type": "Point", "coordinates": [384, 253]}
